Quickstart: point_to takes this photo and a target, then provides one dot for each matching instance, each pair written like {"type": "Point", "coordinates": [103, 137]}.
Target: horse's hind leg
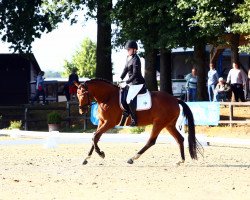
{"type": "Point", "coordinates": [151, 141]}
{"type": "Point", "coordinates": [179, 139]}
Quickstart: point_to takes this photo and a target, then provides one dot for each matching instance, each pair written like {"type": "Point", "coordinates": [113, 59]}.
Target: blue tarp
{"type": "Point", "coordinates": [94, 114]}
{"type": "Point", "coordinates": [205, 113]}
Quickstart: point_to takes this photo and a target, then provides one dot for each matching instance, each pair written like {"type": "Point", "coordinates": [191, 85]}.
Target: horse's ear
{"type": "Point", "coordinates": [76, 84]}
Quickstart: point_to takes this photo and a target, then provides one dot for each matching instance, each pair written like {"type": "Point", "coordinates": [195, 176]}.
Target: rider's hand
{"type": "Point", "coordinates": [122, 83]}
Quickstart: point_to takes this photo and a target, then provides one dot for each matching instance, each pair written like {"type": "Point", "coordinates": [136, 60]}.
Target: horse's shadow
{"type": "Point", "coordinates": [227, 146]}
{"type": "Point", "coordinates": [228, 166]}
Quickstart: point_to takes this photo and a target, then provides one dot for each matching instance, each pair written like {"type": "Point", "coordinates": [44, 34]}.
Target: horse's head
{"type": "Point", "coordinates": [83, 97]}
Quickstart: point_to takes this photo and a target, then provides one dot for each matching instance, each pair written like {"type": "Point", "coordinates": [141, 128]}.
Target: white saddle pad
{"type": "Point", "coordinates": [144, 102]}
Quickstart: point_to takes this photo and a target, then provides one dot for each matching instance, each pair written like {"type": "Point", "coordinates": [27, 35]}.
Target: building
{"type": "Point", "coordinates": [16, 73]}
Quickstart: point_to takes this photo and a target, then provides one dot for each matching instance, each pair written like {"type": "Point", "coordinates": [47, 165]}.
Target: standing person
{"type": "Point", "coordinates": [66, 91]}
{"type": "Point", "coordinates": [212, 81]}
{"type": "Point", "coordinates": [237, 79]}
{"type": "Point", "coordinates": [135, 80]}
{"type": "Point", "coordinates": [73, 77]}
{"type": "Point", "coordinates": [248, 84]}
{"type": "Point", "coordinates": [191, 85]}
{"type": "Point", "coordinates": [39, 88]}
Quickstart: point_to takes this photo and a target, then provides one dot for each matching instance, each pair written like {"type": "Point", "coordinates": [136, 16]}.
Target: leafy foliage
{"type": "Point", "coordinates": [15, 124]}
{"type": "Point", "coordinates": [54, 118]}
{"type": "Point", "coordinates": [84, 60]}
{"type": "Point", "coordinates": [243, 10]}
{"type": "Point", "coordinates": [243, 27]}
{"type": "Point", "coordinates": [21, 21]}
{"type": "Point", "coordinates": [137, 130]}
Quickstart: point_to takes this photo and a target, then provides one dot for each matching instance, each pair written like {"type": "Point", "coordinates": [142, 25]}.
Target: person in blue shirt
{"type": "Point", "coordinates": [212, 81]}
{"type": "Point", "coordinates": [39, 88]}
{"type": "Point", "coordinates": [191, 85]}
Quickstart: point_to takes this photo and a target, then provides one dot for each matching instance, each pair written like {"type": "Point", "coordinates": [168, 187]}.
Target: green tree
{"type": "Point", "coordinates": [101, 11]}
{"type": "Point", "coordinates": [21, 21]}
{"type": "Point", "coordinates": [84, 59]}
{"type": "Point", "coordinates": [243, 11]}
{"type": "Point", "coordinates": [159, 27]}
{"type": "Point", "coordinates": [43, 16]}
{"type": "Point", "coordinates": [209, 21]}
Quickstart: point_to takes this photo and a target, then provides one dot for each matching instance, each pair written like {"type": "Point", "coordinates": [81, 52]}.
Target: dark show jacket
{"type": "Point", "coordinates": [133, 69]}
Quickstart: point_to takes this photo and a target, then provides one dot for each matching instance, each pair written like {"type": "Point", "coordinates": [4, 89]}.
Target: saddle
{"type": "Point", "coordinates": [142, 102]}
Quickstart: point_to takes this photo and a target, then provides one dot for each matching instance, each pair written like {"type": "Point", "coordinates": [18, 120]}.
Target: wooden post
{"type": "Point", "coordinates": [231, 114]}
{"type": "Point", "coordinates": [68, 111]}
{"type": "Point", "coordinates": [26, 119]}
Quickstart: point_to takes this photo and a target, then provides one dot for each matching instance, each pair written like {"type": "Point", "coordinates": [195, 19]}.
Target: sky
{"type": "Point", "coordinates": [53, 48]}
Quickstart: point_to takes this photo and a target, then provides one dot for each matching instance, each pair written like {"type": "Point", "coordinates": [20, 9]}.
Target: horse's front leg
{"type": "Point", "coordinates": [102, 128]}
{"type": "Point", "coordinates": [93, 146]}
{"type": "Point", "coordinates": [89, 155]}
{"type": "Point", "coordinates": [96, 139]}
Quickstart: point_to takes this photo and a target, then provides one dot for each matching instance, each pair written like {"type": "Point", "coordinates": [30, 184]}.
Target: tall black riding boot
{"type": "Point", "coordinates": [132, 108]}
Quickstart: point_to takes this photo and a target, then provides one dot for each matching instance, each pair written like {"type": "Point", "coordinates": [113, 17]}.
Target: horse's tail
{"type": "Point", "coordinates": [192, 142]}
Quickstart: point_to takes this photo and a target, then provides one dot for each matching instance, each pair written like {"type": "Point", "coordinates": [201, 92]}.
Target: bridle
{"type": "Point", "coordinates": [88, 104]}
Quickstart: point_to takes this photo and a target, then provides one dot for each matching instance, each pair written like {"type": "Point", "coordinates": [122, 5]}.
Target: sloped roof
{"type": "Point", "coordinates": [15, 56]}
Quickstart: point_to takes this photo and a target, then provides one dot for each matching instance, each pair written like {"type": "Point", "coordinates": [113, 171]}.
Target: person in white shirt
{"type": "Point", "coordinates": [237, 80]}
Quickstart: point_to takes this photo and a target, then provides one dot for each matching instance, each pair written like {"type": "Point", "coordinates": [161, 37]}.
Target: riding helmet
{"type": "Point", "coordinates": [131, 44]}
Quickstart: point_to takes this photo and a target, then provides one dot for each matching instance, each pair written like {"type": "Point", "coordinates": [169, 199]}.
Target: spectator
{"type": "Point", "coordinates": [237, 80]}
{"type": "Point", "coordinates": [191, 85]}
{"type": "Point", "coordinates": [220, 91]}
{"type": "Point", "coordinates": [248, 84]}
{"type": "Point", "coordinates": [212, 81]}
{"type": "Point", "coordinates": [66, 91]}
{"type": "Point", "coordinates": [73, 77]}
{"type": "Point", "coordinates": [39, 88]}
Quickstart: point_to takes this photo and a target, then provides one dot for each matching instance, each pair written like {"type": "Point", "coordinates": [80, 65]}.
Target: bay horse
{"type": "Point", "coordinates": [163, 114]}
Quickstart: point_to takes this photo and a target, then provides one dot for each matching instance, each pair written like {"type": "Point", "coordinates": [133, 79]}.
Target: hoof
{"type": "Point", "coordinates": [85, 162]}
{"type": "Point", "coordinates": [102, 154]}
{"type": "Point", "coordinates": [180, 163]}
{"type": "Point", "coordinates": [130, 161]}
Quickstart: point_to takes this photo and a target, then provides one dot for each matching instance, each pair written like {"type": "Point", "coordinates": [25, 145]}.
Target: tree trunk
{"type": "Point", "coordinates": [104, 49]}
{"type": "Point", "coordinates": [234, 53]}
{"type": "Point", "coordinates": [200, 64]}
{"type": "Point", "coordinates": [235, 49]}
{"type": "Point", "coordinates": [150, 69]}
{"type": "Point", "coordinates": [165, 71]}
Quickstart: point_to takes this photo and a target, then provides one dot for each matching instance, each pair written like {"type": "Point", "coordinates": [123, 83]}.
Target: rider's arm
{"type": "Point", "coordinates": [124, 73]}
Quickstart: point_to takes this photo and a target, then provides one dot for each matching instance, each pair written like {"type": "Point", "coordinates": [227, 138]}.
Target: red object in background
{"type": "Point", "coordinates": [72, 89]}
{"type": "Point", "coordinates": [40, 87]}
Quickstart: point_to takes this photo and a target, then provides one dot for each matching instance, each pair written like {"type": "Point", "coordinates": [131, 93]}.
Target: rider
{"type": "Point", "coordinates": [135, 80]}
